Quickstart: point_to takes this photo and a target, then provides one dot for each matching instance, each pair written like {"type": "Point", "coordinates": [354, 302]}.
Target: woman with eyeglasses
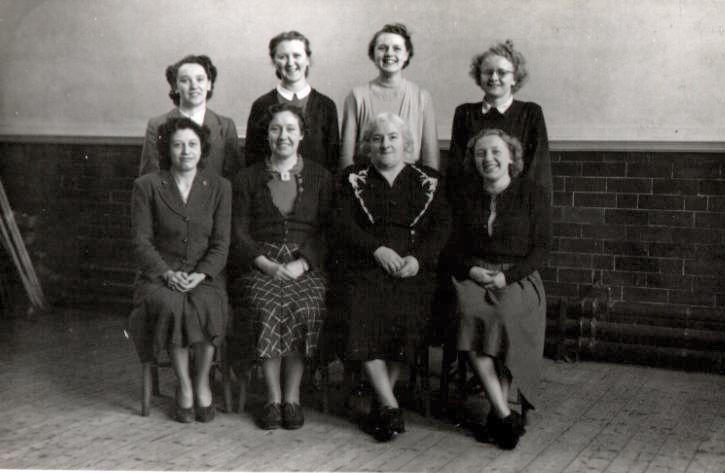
{"type": "Point", "coordinates": [501, 71]}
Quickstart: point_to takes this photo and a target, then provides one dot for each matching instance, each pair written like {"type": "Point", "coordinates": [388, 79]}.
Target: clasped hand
{"type": "Point", "coordinates": [394, 264]}
{"type": "Point", "coordinates": [282, 272]}
{"type": "Point", "coordinates": [488, 278]}
{"type": "Point", "coordinates": [182, 281]}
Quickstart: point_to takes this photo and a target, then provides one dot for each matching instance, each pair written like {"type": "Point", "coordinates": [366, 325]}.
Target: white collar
{"type": "Point", "coordinates": [197, 116]}
{"type": "Point", "coordinates": [288, 94]}
{"type": "Point", "coordinates": [501, 108]}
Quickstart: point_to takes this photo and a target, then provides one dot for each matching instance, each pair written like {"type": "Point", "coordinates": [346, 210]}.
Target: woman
{"type": "Point", "coordinates": [192, 82]}
{"type": "Point", "coordinates": [181, 219]}
{"type": "Point", "coordinates": [391, 50]}
{"type": "Point", "coordinates": [502, 236]}
{"type": "Point", "coordinates": [501, 71]}
{"type": "Point", "coordinates": [281, 207]}
{"type": "Point", "coordinates": [290, 53]}
{"type": "Point", "coordinates": [391, 224]}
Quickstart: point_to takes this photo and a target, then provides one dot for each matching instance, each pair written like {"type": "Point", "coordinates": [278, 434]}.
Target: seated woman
{"type": "Point", "coordinates": [181, 219]}
{"type": "Point", "coordinates": [281, 207]}
{"type": "Point", "coordinates": [391, 223]}
{"type": "Point", "coordinates": [502, 234]}
{"type": "Point", "coordinates": [192, 83]}
{"type": "Point", "coordinates": [291, 56]}
{"type": "Point", "coordinates": [391, 50]}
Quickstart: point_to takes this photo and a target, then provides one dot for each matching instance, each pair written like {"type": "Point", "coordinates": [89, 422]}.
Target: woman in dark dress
{"type": "Point", "coordinates": [192, 84]}
{"type": "Point", "coordinates": [290, 53]}
{"type": "Point", "coordinates": [391, 222]}
{"type": "Point", "coordinates": [281, 208]}
{"type": "Point", "coordinates": [181, 218]}
{"type": "Point", "coordinates": [501, 71]}
{"type": "Point", "coordinates": [502, 236]}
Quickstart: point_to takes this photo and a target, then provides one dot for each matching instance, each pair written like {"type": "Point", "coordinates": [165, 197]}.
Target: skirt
{"type": "Point", "coordinates": [166, 319]}
{"type": "Point", "coordinates": [278, 318]}
{"type": "Point", "coordinates": [507, 324]}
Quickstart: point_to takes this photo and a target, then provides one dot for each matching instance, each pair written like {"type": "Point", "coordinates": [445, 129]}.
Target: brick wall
{"type": "Point", "coordinates": [650, 225]}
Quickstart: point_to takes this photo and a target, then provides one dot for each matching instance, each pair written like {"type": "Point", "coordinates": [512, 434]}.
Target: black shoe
{"type": "Point", "coordinates": [185, 415]}
{"type": "Point", "coordinates": [384, 423]}
{"type": "Point", "coordinates": [506, 432]}
{"type": "Point", "coordinates": [394, 418]}
{"type": "Point", "coordinates": [206, 414]}
{"type": "Point", "coordinates": [271, 417]}
{"type": "Point", "coordinates": [292, 416]}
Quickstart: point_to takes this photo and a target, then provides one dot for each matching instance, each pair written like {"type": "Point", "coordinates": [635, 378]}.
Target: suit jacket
{"type": "Point", "coordinates": [224, 158]}
{"type": "Point", "coordinates": [322, 136]}
{"type": "Point", "coordinates": [169, 235]}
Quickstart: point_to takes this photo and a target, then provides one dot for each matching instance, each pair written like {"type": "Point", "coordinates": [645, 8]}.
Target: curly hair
{"type": "Point", "coordinates": [285, 107]}
{"type": "Point", "coordinates": [505, 50]}
{"type": "Point", "coordinates": [364, 147]}
{"type": "Point", "coordinates": [166, 132]}
{"type": "Point", "coordinates": [514, 145]}
{"type": "Point", "coordinates": [289, 36]}
{"type": "Point", "coordinates": [394, 28]}
{"type": "Point", "coordinates": [172, 73]}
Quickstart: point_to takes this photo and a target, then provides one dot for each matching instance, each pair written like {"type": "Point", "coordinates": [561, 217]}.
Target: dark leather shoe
{"type": "Point", "coordinates": [271, 417]}
{"type": "Point", "coordinates": [185, 415]}
{"type": "Point", "coordinates": [506, 432]}
{"type": "Point", "coordinates": [292, 416]}
{"type": "Point", "coordinates": [206, 414]}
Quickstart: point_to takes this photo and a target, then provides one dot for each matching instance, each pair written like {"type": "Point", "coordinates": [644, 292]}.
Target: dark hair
{"type": "Point", "coordinates": [289, 36]}
{"type": "Point", "coordinates": [167, 130]}
{"type": "Point", "coordinates": [505, 50]}
{"type": "Point", "coordinates": [514, 145]}
{"type": "Point", "coordinates": [394, 28]}
{"type": "Point", "coordinates": [285, 107]}
{"type": "Point", "coordinates": [172, 73]}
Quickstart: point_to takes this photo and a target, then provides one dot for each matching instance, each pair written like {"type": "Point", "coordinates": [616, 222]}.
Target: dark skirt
{"type": "Point", "coordinates": [507, 324]}
{"type": "Point", "coordinates": [165, 319]}
{"type": "Point", "coordinates": [278, 318]}
{"type": "Point", "coordinates": [383, 317]}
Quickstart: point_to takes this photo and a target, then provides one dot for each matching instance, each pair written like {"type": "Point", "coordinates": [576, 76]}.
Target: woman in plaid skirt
{"type": "Point", "coordinates": [280, 209]}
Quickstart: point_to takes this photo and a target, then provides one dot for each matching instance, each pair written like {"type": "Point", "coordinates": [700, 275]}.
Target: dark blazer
{"type": "Point", "coordinates": [224, 158]}
{"type": "Point", "coordinates": [322, 135]}
{"type": "Point", "coordinates": [168, 235]}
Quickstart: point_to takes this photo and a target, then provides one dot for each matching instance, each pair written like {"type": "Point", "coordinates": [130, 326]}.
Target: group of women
{"type": "Point", "coordinates": [368, 247]}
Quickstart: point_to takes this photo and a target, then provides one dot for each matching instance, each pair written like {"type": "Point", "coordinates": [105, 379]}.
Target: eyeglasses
{"type": "Point", "coordinates": [500, 72]}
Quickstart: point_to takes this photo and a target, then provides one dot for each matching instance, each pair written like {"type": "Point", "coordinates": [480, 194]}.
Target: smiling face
{"type": "Point", "coordinates": [497, 77]}
{"type": "Point", "coordinates": [390, 53]}
{"type": "Point", "coordinates": [192, 85]}
{"type": "Point", "coordinates": [492, 157]}
{"type": "Point", "coordinates": [387, 146]}
{"type": "Point", "coordinates": [184, 150]}
{"type": "Point", "coordinates": [284, 135]}
{"type": "Point", "coordinates": [291, 61]}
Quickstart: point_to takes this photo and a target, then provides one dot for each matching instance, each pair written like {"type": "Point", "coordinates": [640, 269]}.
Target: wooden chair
{"type": "Point", "coordinates": [150, 385]}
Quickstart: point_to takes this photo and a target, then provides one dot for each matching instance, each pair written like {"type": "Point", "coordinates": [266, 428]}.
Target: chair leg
{"type": "Point", "coordinates": [154, 372]}
{"type": "Point", "coordinates": [226, 382]}
{"type": "Point", "coordinates": [425, 380]}
{"type": "Point", "coordinates": [244, 380]}
{"type": "Point", "coordinates": [324, 387]}
{"type": "Point", "coordinates": [147, 381]}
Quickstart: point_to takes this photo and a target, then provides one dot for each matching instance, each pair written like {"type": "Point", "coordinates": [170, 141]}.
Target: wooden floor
{"type": "Point", "coordinates": [69, 399]}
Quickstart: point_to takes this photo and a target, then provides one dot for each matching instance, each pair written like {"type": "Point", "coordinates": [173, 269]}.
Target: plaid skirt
{"type": "Point", "coordinates": [278, 318]}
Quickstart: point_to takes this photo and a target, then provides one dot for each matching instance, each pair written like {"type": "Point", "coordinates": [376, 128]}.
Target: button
{"type": "Point", "coordinates": [185, 240]}
{"type": "Point", "coordinates": [186, 219]}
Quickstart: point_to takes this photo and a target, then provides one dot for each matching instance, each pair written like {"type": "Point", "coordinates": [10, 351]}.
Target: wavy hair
{"type": "Point", "coordinates": [172, 73]}
{"type": "Point", "coordinates": [171, 126]}
{"type": "Point", "coordinates": [505, 50]}
{"type": "Point", "coordinates": [514, 145]}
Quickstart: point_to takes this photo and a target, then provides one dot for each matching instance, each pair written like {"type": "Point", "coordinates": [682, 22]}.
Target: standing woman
{"type": "Point", "coordinates": [192, 83]}
{"type": "Point", "coordinates": [281, 207]}
{"type": "Point", "coordinates": [391, 223]}
{"type": "Point", "coordinates": [501, 71]}
{"type": "Point", "coordinates": [502, 237]}
{"type": "Point", "coordinates": [291, 54]}
{"type": "Point", "coordinates": [181, 219]}
{"type": "Point", "coordinates": [391, 50]}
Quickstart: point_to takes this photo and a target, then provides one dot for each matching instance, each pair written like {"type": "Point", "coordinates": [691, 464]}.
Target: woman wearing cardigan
{"type": "Point", "coordinates": [290, 53]}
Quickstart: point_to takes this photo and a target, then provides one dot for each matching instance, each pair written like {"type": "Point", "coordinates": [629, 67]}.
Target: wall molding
{"type": "Point", "coordinates": [555, 145]}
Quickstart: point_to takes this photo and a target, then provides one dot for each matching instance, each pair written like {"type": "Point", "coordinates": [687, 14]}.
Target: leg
{"type": "Point", "coordinates": [180, 364]}
{"type": "Point", "coordinates": [294, 367]}
{"type": "Point", "coordinates": [486, 372]}
{"type": "Point", "coordinates": [271, 368]}
{"type": "Point", "coordinates": [379, 376]}
{"type": "Point", "coordinates": [203, 355]}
